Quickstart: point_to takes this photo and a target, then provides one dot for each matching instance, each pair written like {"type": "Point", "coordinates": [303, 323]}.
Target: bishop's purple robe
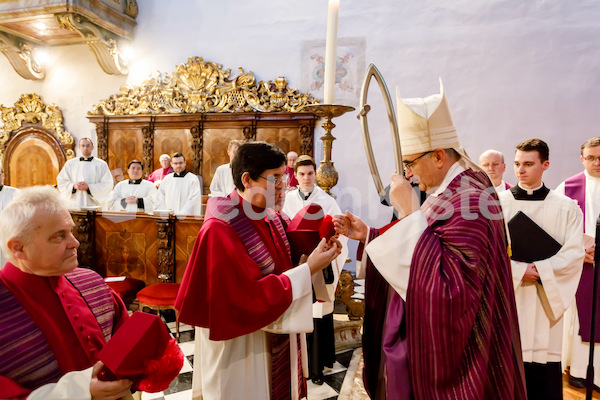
{"type": "Point", "coordinates": [457, 335]}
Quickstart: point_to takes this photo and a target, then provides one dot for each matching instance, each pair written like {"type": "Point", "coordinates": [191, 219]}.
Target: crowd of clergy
{"type": "Point", "coordinates": [478, 290]}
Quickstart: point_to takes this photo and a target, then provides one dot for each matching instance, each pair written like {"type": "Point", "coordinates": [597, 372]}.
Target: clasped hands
{"type": "Point", "coordinates": [81, 186]}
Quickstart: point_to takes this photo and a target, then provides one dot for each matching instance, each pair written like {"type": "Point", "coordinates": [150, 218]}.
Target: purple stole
{"type": "Point", "coordinates": [575, 189]}
{"type": "Point", "coordinates": [26, 356]}
{"type": "Point", "coordinates": [229, 210]}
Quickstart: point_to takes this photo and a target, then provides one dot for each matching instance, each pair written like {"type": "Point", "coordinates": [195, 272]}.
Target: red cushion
{"type": "Point", "coordinates": [159, 294]}
{"type": "Point", "coordinates": [127, 288]}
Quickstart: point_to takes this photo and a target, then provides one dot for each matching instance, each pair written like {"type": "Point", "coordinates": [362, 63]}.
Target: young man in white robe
{"type": "Point", "coordinates": [86, 180]}
{"type": "Point", "coordinates": [222, 181]}
{"type": "Point", "coordinates": [321, 342]}
{"type": "Point", "coordinates": [584, 188]}
{"type": "Point", "coordinates": [181, 191]}
{"type": "Point", "coordinates": [134, 194]}
{"type": "Point", "coordinates": [544, 288]}
{"type": "Point", "coordinates": [492, 162]}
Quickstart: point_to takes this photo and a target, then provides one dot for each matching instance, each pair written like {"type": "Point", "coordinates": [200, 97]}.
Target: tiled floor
{"type": "Point", "coordinates": [181, 388]}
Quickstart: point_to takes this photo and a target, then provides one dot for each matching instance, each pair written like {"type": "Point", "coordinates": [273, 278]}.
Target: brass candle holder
{"type": "Point", "coordinates": [327, 175]}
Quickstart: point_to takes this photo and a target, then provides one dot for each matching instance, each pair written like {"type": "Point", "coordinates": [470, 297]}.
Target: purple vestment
{"type": "Point", "coordinates": [575, 189]}
{"type": "Point", "coordinates": [462, 336]}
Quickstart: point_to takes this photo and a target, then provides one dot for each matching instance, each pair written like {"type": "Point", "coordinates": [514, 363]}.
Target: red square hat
{"type": "Point", "coordinates": [143, 351]}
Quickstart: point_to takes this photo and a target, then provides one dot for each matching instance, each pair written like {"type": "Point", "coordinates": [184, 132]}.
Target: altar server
{"type": "Point", "coordinates": [181, 191]}
{"type": "Point", "coordinates": [222, 181]}
{"type": "Point", "coordinates": [546, 240]}
{"type": "Point", "coordinates": [134, 194]}
{"type": "Point", "coordinates": [242, 292]}
{"type": "Point", "coordinates": [86, 180]}
{"type": "Point", "coordinates": [321, 342]}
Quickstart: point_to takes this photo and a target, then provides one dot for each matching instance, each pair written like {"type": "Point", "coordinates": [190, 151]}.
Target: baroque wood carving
{"type": "Point", "coordinates": [84, 233]}
{"type": "Point", "coordinates": [165, 251]}
{"type": "Point", "coordinates": [344, 293]}
{"type": "Point", "coordinates": [28, 110]}
{"type": "Point", "coordinates": [203, 87]}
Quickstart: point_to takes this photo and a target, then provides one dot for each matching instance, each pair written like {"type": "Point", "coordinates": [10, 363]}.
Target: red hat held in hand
{"type": "Point", "coordinates": [143, 351]}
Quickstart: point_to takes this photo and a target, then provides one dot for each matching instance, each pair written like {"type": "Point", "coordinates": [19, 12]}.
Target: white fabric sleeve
{"type": "Point", "coordinates": [298, 317]}
{"type": "Point", "coordinates": [101, 189]}
{"type": "Point", "coordinates": [64, 182]}
{"type": "Point", "coordinates": [191, 206]}
{"type": "Point", "coordinates": [518, 269]}
{"type": "Point", "coordinates": [392, 252]}
{"type": "Point", "coordinates": [560, 273]}
{"type": "Point", "coordinates": [73, 385]}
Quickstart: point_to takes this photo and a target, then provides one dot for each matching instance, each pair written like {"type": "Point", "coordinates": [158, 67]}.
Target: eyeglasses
{"type": "Point", "coordinates": [276, 181]}
{"type": "Point", "coordinates": [591, 158]}
{"type": "Point", "coordinates": [409, 164]}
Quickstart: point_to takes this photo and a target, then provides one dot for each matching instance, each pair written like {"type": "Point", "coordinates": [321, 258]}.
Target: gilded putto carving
{"type": "Point", "coordinates": [202, 86]}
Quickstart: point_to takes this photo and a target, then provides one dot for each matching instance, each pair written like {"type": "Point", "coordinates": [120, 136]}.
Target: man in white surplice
{"type": "Point", "coordinates": [181, 191]}
{"type": "Point", "coordinates": [134, 194]}
{"type": "Point", "coordinates": [583, 187]}
{"type": "Point", "coordinates": [6, 195]}
{"type": "Point", "coordinates": [86, 180]}
{"type": "Point", "coordinates": [309, 193]}
{"type": "Point", "coordinates": [545, 288]}
{"type": "Point", "coordinates": [222, 181]}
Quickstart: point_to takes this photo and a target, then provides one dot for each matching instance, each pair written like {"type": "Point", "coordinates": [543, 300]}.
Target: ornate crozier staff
{"type": "Point", "coordinates": [372, 71]}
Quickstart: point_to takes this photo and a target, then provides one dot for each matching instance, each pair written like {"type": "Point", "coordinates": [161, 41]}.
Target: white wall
{"type": "Point", "coordinates": [511, 70]}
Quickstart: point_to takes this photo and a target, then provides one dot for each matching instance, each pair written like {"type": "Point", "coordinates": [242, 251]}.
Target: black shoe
{"type": "Point", "coordinates": [577, 382]}
{"type": "Point", "coordinates": [317, 380]}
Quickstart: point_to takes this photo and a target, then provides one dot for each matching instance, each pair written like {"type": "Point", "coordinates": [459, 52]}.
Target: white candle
{"type": "Point", "coordinates": [330, 47]}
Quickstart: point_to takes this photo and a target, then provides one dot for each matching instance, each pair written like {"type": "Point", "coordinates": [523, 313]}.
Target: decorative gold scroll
{"type": "Point", "coordinates": [30, 108]}
{"type": "Point", "coordinates": [201, 86]}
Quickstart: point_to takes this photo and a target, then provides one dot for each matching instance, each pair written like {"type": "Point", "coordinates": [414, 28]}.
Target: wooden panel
{"type": "Point", "coordinates": [33, 162]}
{"type": "Point", "coordinates": [186, 231]}
{"type": "Point", "coordinates": [287, 138]}
{"type": "Point", "coordinates": [126, 245]}
{"type": "Point", "coordinates": [170, 141]}
{"type": "Point", "coordinates": [216, 141]}
{"type": "Point", "coordinates": [124, 145]}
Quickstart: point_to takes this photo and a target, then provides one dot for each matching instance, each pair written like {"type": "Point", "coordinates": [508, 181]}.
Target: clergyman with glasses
{"type": "Point", "coordinates": [242, 292]}
{"type": "Point", "coordinates": [584, 187]}
{"type": "Point", "coordinates": [440, 320]}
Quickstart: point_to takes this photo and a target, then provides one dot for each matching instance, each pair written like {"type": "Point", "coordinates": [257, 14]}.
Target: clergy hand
{"type": "Point", "coordinates": [402, 196]}
{"type": "Point", "coordinates": [350, 226]}
{"type": "Point", "coordinates": [323, 255]}
{"type": "Point", "coordinates": [107, 390]}
{"type": "Point", "coordinates": [589, 255]}
{"type": "Point", "coordinates": [81, 186]}
{"type": "Point", "coordinates": [131, 200]}
{"type": "Point", "coordinates": [531, 273]}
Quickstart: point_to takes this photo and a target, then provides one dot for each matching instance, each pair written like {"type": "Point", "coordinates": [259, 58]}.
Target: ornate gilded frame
{"type": "Point", "coordinates": [31, 114]}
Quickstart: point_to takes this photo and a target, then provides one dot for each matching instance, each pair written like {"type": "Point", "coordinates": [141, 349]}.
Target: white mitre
{"type": "Point", "coordinates": [426, 124]}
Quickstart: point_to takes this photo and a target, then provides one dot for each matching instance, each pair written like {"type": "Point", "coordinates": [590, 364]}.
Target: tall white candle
{"type": "Point", "coordinates": [330, 47]}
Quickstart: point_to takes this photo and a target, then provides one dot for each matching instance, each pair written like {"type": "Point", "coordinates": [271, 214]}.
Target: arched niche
{"type": "Point", "coordinates": [33, 143]}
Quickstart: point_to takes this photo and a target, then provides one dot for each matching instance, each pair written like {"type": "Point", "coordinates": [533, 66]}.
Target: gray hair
{"type": "Point", "coordinates": [17, 220]}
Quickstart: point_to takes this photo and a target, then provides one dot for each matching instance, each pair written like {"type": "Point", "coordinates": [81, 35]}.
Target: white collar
{"type": "Point", "coordinates": [452, 173]}
{"type": "Point", "coordinates": [530, 191]}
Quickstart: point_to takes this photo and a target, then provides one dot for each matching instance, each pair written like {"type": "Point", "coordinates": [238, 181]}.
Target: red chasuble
{"type": "Point", "coordinates": [223, 288]}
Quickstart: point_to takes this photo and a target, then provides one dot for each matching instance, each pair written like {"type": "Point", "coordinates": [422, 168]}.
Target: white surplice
{"type": "Point", "coordinates": [145, 190]}
{"type": "Point", "coordinates": [182, 195]}
{"type": "Point", "coordinates": [222, 181]}
{"type": "Point", "coordinates": [294, 202]}
{"type": "Point", "coordinates": [575, 351]}
{"type": "Point", "coordinates": [95, 173]}
{"type": "Point", "coordinates": [6, 195]}
{"type": "Point", "coordinates": [541, 307]}
{"type": "Point", "coordinates": [240, 368]}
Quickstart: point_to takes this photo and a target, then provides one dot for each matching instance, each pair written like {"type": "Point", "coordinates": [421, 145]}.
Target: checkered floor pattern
{"type": "Point", "coordinates": [336, 379]}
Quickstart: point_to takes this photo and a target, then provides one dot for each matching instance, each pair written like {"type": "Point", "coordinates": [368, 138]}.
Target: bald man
{"type": "Point", "coordinates": [492, 162]}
